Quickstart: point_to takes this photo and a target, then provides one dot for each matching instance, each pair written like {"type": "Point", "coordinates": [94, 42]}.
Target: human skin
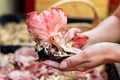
{"type": "Point", "coordinates": [101, 48]}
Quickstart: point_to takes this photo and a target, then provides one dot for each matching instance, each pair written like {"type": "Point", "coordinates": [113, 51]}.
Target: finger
{"type": "Point", "coordinates": [52, 64]}
{"type": "Point", "coordinates": [87, 66]}
{"type": "Point", "coordinates": [73, 69]}
{"type": "Point", "coordinates": [56, 65]}
{"type": "Point", "coordinates": [73, 61]}
{"type": "Point", "coordinates": [82, 67]}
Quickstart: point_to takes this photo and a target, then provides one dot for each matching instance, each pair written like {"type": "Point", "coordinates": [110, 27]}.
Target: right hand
{"type": "Point", "coordinates": [90, 57]}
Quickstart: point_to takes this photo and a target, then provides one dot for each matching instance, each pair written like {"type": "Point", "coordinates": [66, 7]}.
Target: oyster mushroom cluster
{"type": "Point", "coordinates": [53, 40]}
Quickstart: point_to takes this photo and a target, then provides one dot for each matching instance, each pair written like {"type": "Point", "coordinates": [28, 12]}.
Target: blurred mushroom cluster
{"type": "Point", "coordinates": [13, 33]}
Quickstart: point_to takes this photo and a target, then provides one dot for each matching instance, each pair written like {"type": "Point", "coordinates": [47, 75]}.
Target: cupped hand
{"type": "Point", "coordinates": [92, 56]}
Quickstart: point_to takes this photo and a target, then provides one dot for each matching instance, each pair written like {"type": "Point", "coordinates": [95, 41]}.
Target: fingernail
{"type": "Point", "coordinates": [63, 65]}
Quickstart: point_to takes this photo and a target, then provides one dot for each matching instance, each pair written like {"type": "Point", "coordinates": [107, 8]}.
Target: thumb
{"type": "Point", "coordinates": [73, 61]}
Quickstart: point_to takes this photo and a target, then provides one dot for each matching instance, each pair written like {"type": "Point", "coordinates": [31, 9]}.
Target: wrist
{"type": "Point", "coordinates": [101, 33]}
{"type": "Point", "coordinates": [115, 53]}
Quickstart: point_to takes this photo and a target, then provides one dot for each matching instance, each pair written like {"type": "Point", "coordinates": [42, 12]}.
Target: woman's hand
{"type": "Point", "coordinates": [90, 57]}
